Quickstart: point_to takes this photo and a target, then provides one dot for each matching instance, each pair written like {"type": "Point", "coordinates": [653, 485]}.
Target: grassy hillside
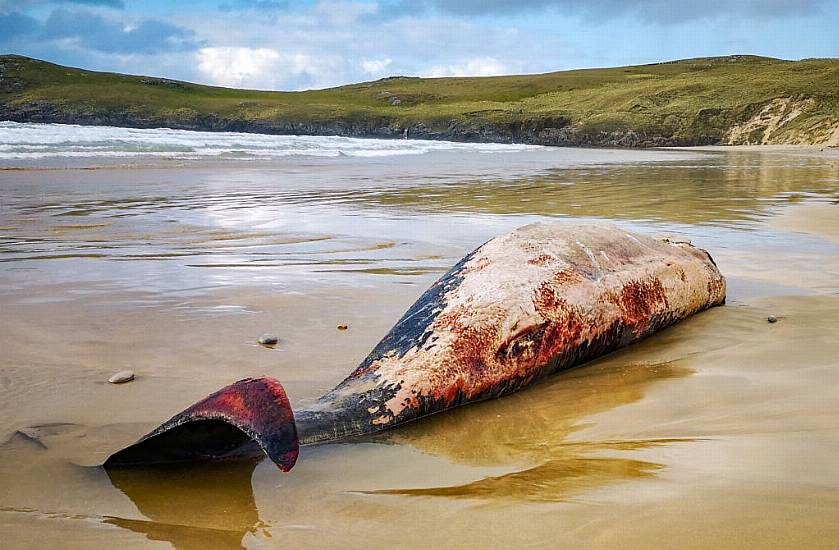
{"type": "Point", "coordinates": [737, 99]}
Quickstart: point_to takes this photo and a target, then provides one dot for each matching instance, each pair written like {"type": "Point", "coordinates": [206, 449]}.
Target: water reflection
{"type": "Point", "coordinates": [192, 507]}
{"type": "Point", "coordinates": [726, 190]}
{"type": "Point", "coordinates": [534, 429]}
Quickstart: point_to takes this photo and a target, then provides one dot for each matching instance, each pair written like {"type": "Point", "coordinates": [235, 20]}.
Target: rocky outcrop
{"type": "Point", "coordinates": [165, 82]}
{"type": "Point", "coordinates": [7, 83]}
{"type": "Point", "coordinates": [538, 131]}
{"type": "Point", "coordinates": [554, 132]}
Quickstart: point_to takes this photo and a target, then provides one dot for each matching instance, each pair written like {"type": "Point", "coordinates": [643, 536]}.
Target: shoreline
{"type": "Point", "coordinates": [545, 132]}
{"type": "Point", "coordinates": [479, 132]}
{"type": "Point", "coordinates": [535, 160]}
{"type": "Point", "coordinates": [784, 148]}
{"type": "Point", "coordinates": [113, 147]}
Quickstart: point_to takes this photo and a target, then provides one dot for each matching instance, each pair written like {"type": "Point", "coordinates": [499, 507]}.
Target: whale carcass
{"type": "Point", "coordinates": [525, 305]}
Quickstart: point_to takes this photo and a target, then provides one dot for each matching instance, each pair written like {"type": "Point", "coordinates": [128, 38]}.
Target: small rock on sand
{"type": "Point", "coordinates": [772, 319]}
{"type": "Point", "coordinates": [121, 377]}
{"type": "Point", "coordinates": [268, 340]}
{"type": "Point", "coordinates": [343, 327]}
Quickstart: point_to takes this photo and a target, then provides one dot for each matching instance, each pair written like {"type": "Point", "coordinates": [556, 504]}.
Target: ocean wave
{"type": "Point", "coordinates": [25, 141]}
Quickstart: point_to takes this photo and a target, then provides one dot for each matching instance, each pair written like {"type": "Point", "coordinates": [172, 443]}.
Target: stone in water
{"type": "Point", "coordinates": [268, 340]}
{"type": "Point", "coordinates": [121, 377]}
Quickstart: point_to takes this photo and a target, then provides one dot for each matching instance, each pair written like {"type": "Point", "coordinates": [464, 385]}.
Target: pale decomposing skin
{"type": "Point", "coordinates": [537, 300]}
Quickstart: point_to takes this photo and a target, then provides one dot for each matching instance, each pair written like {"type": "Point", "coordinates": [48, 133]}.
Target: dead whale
{"type": "Point", "coordinates": [525, 305]}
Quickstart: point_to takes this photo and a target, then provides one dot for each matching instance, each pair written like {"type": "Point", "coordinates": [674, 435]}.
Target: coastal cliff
{"type": "Point", "coordinates": [721, 100]}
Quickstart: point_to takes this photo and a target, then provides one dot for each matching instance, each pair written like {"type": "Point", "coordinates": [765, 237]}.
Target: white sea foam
{"type": "Point", "coordinates": [21, 141]}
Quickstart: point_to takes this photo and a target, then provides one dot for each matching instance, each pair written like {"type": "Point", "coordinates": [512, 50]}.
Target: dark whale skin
{"type": "Point", "coordinates": [525, 305]}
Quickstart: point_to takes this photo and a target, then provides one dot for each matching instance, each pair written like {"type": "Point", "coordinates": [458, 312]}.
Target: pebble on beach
{"type": "Point", "coordinates": [772, 319]}
{"type": "Point", "coordinates": [121, 377]}
{"type": "Point", "coordinates": [268, 340]}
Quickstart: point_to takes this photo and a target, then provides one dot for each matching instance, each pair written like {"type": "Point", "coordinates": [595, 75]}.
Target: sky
{"type": "Point", "coordinates": [293, 45]}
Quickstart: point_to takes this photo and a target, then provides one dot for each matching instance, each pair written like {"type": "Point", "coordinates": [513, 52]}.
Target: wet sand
{"type": "Point", "coordinates": [719, 432]}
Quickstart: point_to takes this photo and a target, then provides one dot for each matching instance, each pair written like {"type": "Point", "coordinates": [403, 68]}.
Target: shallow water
{"type": "Point", "coordinates": [719, 432]}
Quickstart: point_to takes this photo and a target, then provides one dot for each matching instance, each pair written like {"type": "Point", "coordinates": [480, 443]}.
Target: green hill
{"type": "Point", "coordinates": [735, 99]}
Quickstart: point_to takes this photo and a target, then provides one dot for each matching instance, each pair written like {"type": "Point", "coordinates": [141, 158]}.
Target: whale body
{"type": "Point", "coordinates": [538, 300]}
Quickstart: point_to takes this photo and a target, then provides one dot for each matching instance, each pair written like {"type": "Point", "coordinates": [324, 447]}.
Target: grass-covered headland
{"type": "Point", "coordinates": [736, 99]}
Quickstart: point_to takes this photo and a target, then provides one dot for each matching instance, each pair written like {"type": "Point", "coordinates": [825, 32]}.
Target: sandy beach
{"type": "Point", "coordinates": [718, 432]}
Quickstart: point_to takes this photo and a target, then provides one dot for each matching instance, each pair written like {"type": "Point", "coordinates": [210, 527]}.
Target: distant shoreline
{"type": "Point", "coordinates": [477, 132]}
{"type": "Point", "coordinates": [48, 147]}
{"type": "Point", "coordinates": [37, 146]}
{"type": "Point", "coordinates": [692, 102]}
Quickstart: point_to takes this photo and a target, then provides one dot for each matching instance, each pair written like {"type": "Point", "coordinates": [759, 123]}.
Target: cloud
{"type": "Point", "coordinates": [322, 12]}
{"type": "Point", "coordinates": [92, 31]}
{"type": "Point", "coordinates": [264, 5]}
{"type": "Point", "coordinates": [334, 52]}
{"type": "Point", "coordinates": [234, 66]}
{"type": "Point", "coordinates": [375, 67]}
{"type": "Point", "coordinates": [23, 4]}
{"type": "Point", "coordinates": [660, 11]}
{"type": "Point", "coordinates": [14, 25]}
{"type": "Point", "coordinates": [341, 13]}
{"type": "Point", "coordinates": [108, 3]}
{"type": "Point", "coordinates": [82, 30]}
{"type": "Point", "coordinates": [263, 68]}
{"type": "Point", "coordinates": [483, 66]}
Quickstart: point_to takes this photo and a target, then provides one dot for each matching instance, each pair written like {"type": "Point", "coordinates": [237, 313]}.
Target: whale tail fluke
{"type": "Point", "coordinates": [248, 417]}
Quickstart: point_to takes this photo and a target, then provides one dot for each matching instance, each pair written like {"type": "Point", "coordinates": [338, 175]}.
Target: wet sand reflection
{"type": "Point", "coordinates": [193, 507]}
{"type": "Point", "coordinates": [533, 428]}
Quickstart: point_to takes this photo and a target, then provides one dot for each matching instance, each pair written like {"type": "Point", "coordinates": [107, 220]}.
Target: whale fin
{"type": "Point", "coordinates": [244, 418]}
